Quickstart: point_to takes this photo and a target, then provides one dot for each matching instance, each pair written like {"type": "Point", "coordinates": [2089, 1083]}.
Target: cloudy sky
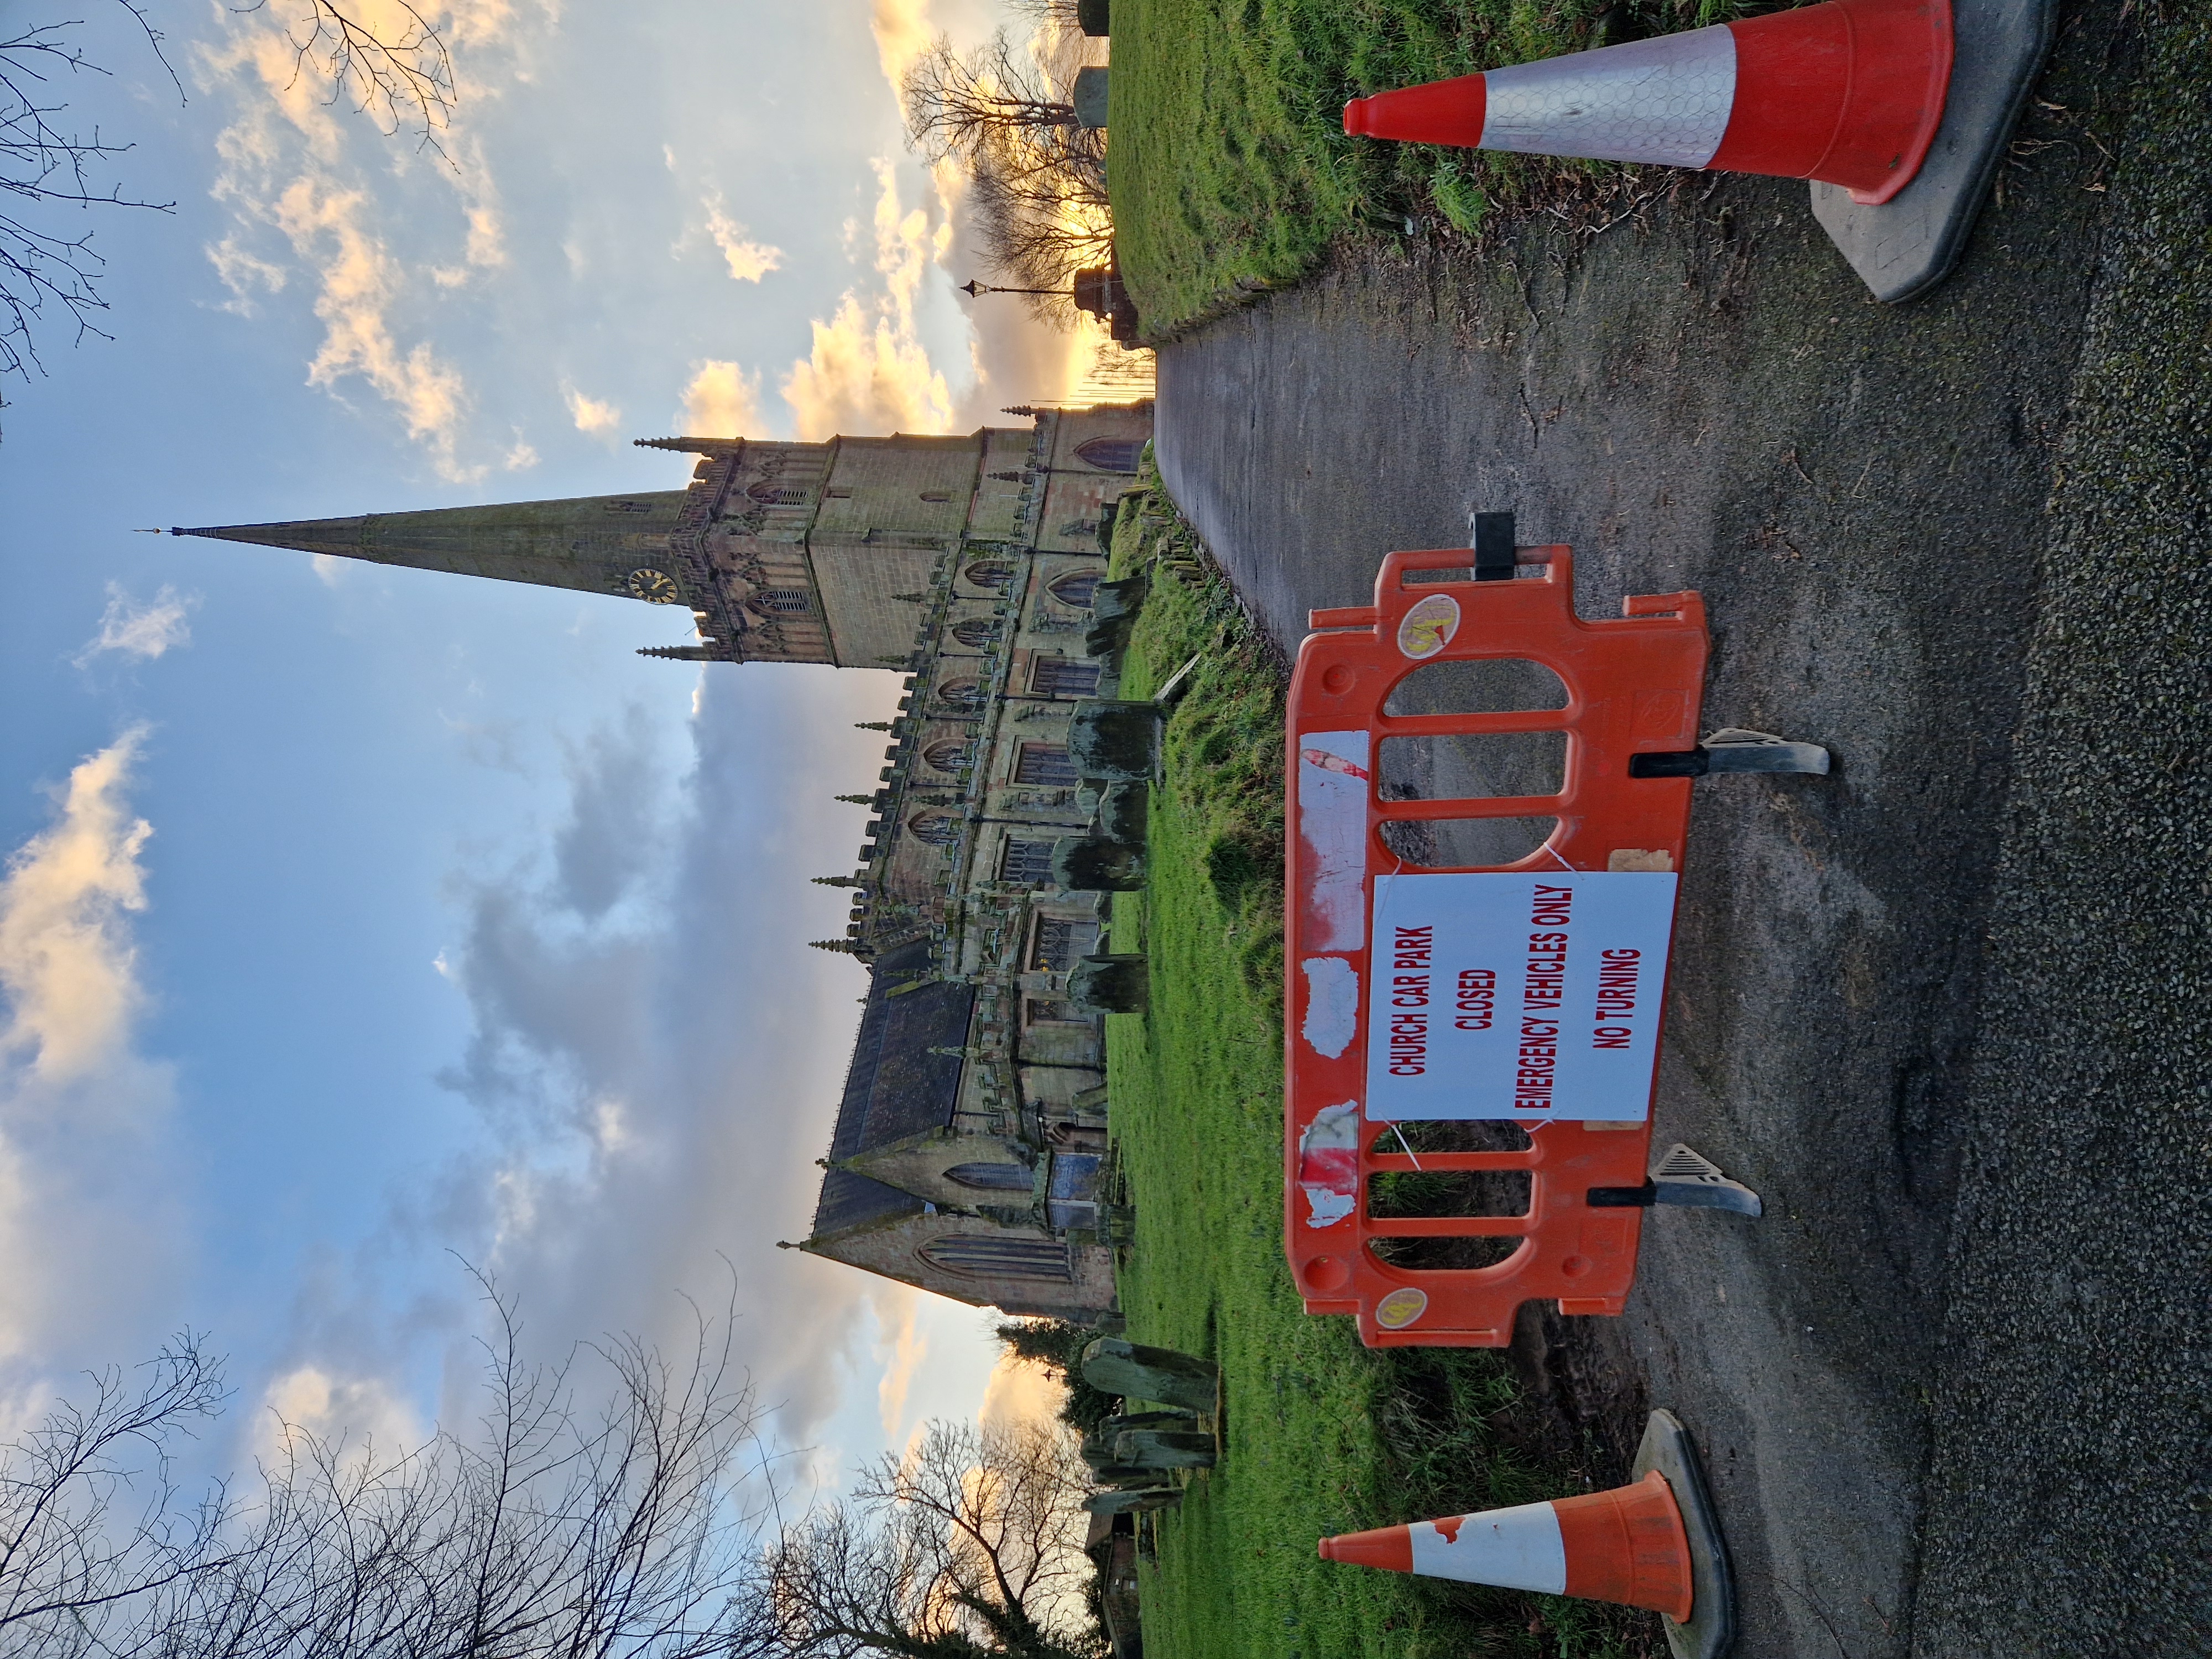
{"type": "Point", "coordinates": [358, 921]}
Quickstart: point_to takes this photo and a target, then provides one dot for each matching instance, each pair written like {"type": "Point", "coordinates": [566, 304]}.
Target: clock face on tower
{"type": "Point", "coordinates": [653, 586]}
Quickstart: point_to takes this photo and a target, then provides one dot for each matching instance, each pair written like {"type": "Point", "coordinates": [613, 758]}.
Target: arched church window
{"type": "Point", "coordinates": [935, 829]}
{"type": "Point", "coordinates": [961, 694]}
{"type": "Point", "coordinates": [1077, 588]}
{"type": "Point", "coordinates": [947, 756]}
{"type": "Point", "coordinates": [993, 1177]}
{"type": "Point", "coordinates": [789, 601]}
{"type": "Point", "coordinates": [975, 632]}
{"type": "Point", "coordinates": [995, 574]}
{"type": "Point", "coordinates": [986, 1255]}
{"type": "Point", "coordinates": [1111, 454]}
{"type": "Point", "coordinates": [770, 494]}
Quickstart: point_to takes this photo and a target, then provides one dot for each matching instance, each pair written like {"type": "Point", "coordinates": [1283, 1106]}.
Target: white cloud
{"type": "Point", "coordinates": [363, 1414]}
{"type": "Point", "coordinates": [302, 203]}
{"type": "Point", "coordinates": [245, 275]}
{"type": "Point", "coordinates": [901, 1348]}
{"type": "Point", "coordinates": [722, 401]}
{"type": "Point", "coordinates": [144, 631]}
{"type": "Point", "coordinates": [903, 30]}
{"type": "Point", "coordinates": [591, 415]}
{"type": "Point", "coordinates": [749, 261]}
{"type": "Point", "coordinates": [87, 1199]}
{"type": "Point", "coordinates": [869, 370]}
{"type": "Point", "coordinates": [1020, 1391]}
{"type": "Point", "coordinates": [656, 1056]}
{"type": "Point", "coordinates": [358, 279]}
{"type": "Point", "coordinates": [68, 966]}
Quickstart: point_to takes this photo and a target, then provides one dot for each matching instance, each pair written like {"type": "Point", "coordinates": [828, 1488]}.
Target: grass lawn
{"type": "Point", "coordinates": [1229, 166]}
{"type": "Point", "coordinates": [1324, 1435]}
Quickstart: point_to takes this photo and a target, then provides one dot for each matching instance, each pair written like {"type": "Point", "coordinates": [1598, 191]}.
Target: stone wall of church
{"type": "Point", "coordinates": [977, 787]}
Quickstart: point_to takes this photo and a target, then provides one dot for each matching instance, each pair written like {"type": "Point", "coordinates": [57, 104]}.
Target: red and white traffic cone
{"type": "Point", "coordinates": [1627, 1545]}
{"type": "Point", "coordinates": [1849, 92]}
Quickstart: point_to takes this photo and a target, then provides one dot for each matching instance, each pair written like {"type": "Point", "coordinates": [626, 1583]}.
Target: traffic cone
{"type": "Point", "coordinates": [1626, 1545]}
{"type": "Point", "coordinates": [1849, 92]}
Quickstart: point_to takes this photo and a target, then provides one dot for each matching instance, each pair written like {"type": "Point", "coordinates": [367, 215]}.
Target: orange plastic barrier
{"type": "Point", "coordinates": [1469, 1010]}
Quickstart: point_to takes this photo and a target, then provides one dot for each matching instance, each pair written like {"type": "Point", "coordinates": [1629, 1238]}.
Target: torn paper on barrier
{"type": "Point", "coordinates": [1332, 825]}
{"type": "Point", "coordinates": [1332, 1004]}
{"type": "Point", "coordinates": [1329, 1164]}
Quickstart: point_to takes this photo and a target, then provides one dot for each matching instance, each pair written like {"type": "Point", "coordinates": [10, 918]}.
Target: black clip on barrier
{"type": "Point", "coordinates": [1493, 547]}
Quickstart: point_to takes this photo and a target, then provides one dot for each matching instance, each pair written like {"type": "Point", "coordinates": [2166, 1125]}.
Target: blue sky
{"type": "Point", "coordinates": [356, 918]}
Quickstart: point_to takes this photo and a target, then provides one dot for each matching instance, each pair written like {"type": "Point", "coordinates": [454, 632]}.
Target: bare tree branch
{"type": "Point", "coordinates": [402, 78]}
{"type": "Point", "coordinates": [969, 1546]}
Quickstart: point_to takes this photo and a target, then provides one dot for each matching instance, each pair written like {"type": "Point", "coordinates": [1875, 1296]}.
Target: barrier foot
{"type": "Point", "coordinates": [1685, 1178]}
{"type": "Point", "coordinates": [1734, 750]}
{"type": "Point", "coordinates": [1690, 1178]}
{"type": "Point", "coordinates": [1711, 1627]}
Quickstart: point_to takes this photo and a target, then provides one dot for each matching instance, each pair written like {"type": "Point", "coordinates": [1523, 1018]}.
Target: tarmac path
{"type": "Point", "coordinates": [1954, 1364]}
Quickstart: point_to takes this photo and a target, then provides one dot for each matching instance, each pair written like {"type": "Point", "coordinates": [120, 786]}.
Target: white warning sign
{"type": "Point", "coordinates": [1528, 996]}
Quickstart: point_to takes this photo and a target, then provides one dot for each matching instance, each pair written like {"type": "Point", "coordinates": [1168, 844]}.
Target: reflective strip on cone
{"type": "Point", "coordinates": [1663, 101]}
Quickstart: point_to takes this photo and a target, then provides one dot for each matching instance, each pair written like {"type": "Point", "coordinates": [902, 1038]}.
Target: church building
{"type": "Point", "coordinates": [966, 1156]}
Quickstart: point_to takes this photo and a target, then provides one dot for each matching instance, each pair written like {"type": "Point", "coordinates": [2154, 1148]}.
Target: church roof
{"type": "Point", "coordinates": [895, 1087]}
{"type": "Point", "coordinates": [589, 541]}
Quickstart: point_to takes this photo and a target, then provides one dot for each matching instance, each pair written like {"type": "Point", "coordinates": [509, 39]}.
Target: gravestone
{"type": "Point", "coordinates": [1110, 985]}
{"type": "Point", "coordinates": [1124, 811]}
{"type": "Point", "coordinates": [1164, 1448]}
{"type": "Point", "coordinates": [1133, 1502]}
{"type": "Point", "coordinates": [1098, 1444]}
{"type": "Point", "coordinates": [1115, 741]}
{"type": "Point", "coordinates": [1134, 1371]}
{"type": "Point", "coordinates": [1095, 864]}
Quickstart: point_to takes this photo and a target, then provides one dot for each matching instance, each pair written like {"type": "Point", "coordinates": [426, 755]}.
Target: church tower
{"type": "Point", "coordinates": [783, 552]}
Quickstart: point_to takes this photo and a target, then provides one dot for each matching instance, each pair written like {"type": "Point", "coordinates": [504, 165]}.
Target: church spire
{"type": "Point", "coordinates": [595, 543]}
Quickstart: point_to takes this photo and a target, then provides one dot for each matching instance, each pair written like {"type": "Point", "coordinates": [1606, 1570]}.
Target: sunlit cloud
{"type": "Point", "coordinates": [593, 415]}
{"type": "Point", "coordinates": [901, 1348]}
{"type": "Point", "coordinates": [749, 261]}
{"type": "Point", "coordinates": [1020, 1391]}
{"type": "Point", "coordinates": [722, 401]}
{"type": "Point", "coordinates": [86, 1202]}
{"type": "Point", "coordinates": [869, 371]}
{"type": "Point", "coordinates": [141, 631]}
{"type": "Point", "coordinates": [362, 1413]}
{"type": "Point", "coordinates": [358, 276]}
{"type": "Point", "coordinates": [68, 964]}
{"type": "Point", "coordinates": [245, 275]}
{"type": "Point", "coordinates": [904, 31]}
{"type": "Point", "coordinates": [291, 172]}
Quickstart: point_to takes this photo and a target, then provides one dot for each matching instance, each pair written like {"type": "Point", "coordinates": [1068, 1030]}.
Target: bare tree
{"type": "Point", "coordinates": [1039, 179]}
{"type": "Point", "coordinates": [628, 1531]}
{"type": "Point", "coordinates": [395, 71]}
{"type": "Point", "coordinates": [970, 1545]}
{"type": "Point", "coordinates": [92, 1529]}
